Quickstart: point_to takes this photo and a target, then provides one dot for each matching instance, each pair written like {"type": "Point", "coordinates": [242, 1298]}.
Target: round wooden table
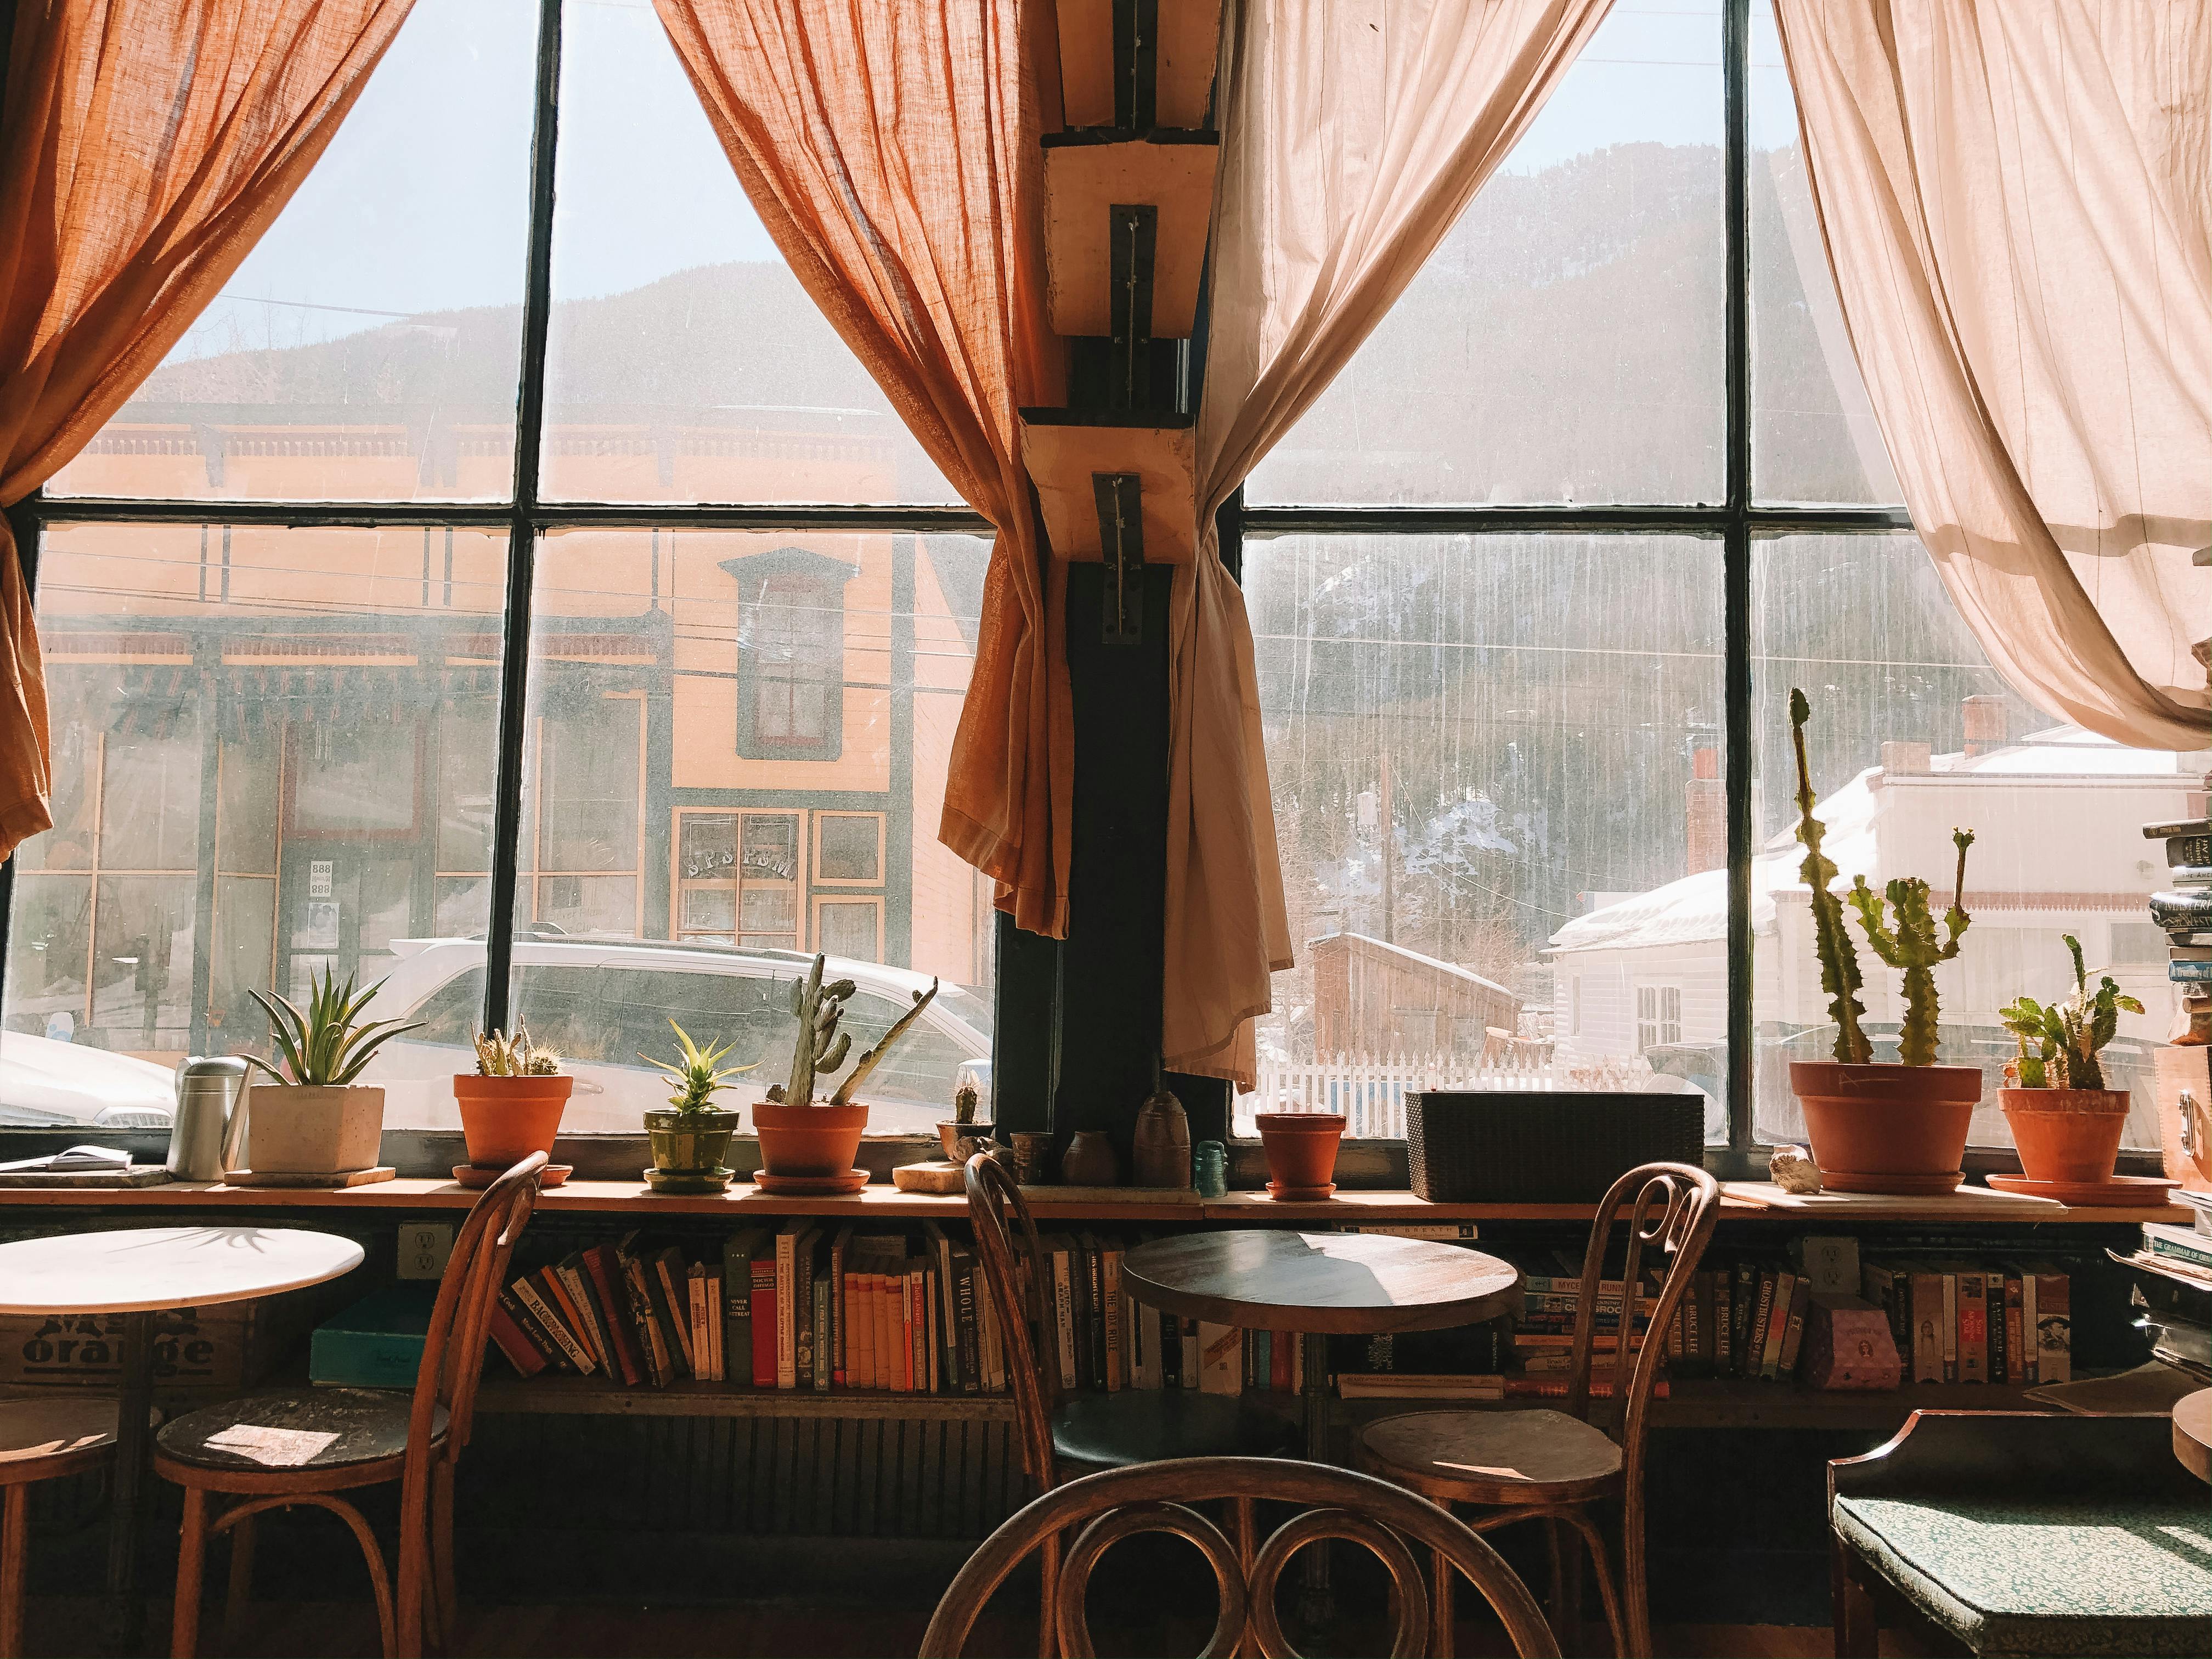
{"type": "Point", "coordinates": [2193, 1429]}
{"type": "Point", "coordinates": [1320, 1285]}
{"type": "Point", "coordinates": [137, 1273]}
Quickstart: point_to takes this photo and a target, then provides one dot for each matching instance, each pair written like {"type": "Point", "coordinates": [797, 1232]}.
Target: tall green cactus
{"type": "Point", "coordinates": [1912, 946]}
{"type": "Point", "coordinates": [1839, 958]}
{"type": "Point", "coordinates": [820, 1047]}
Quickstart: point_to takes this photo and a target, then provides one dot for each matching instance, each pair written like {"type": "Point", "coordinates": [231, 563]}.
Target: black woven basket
{"type": "Point", "coordinates": [1541, 1147]}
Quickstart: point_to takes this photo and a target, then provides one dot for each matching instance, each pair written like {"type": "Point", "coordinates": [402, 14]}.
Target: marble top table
{"type": "Point", "coordinates": [138, 1272]}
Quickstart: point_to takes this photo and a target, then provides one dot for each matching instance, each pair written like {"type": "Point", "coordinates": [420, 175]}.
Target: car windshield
{"type": "Point", "coordinates": [966, 1006]}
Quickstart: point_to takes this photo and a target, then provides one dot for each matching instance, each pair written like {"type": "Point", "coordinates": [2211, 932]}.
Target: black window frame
{"type": "Point", "coordinates": [1735, 522]}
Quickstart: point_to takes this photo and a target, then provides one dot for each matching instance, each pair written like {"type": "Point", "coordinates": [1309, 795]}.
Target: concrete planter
{"type": "Point", "coordinates": [315, 1131]}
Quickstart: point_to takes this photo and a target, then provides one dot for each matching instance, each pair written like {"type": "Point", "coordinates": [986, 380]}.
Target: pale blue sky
{"type": "Point", "coordinates": [421, 203]}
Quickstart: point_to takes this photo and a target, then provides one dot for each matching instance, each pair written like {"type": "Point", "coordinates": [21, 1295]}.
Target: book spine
{"type": "Point", "coordinates": [1187, 1333]}
{"type": "Point", "coordinates": [2017, 1357]}
{"type": "Point", "coordinates": [652, 1348]}
{"type": "Point", "coordinates": [1973, 1327]}
{"type": "Point", "coordinates": [824, 1369]}
{"type": "Point", "coordinates": [1063, 1313]}
{"type": "Point", "coordinates": [1927, 1328]}
{"type": "Point", "coordinates": [1117, 1358]}
{"type": "Point", "coordinates": [1724, 1323]}
{"type": "Point", "coordinates": [535, 1298]}
{"type": "Point", "coordinates": [577, 1284]}
{"type": "Point", "coordinates": [511, 1336]}
{"type": "Point", "coordinates": [1993, 1292]}
{"type": "Point", "coordinates": [1167, 1332]}
{"type": "Point", "coordinates": [840, 1372]}
{"type": "Point", "coordinates": [917, 1302]}
{"type": "Point", "coordinates": [1094, 1314]}
{"type": "Point", "coordinates": [1745, 1301]}
{"type": "Point", "coordinates": [2054, 1302]}
{"type": "Point", "coordinates": [787, 1332]}
{"type": "Point", "coordinates": [737, 1309]}
{"type": "Point", "coordinates": [2030, 1330]}
{"type": "Point", "coordinates": [599, 1264]}
{"type": "Point", "coordinates": [763, 1321]}
{"type": "Point", "coordinates": [1948, 1331]}
{"type": "Point", "coordinates": [934, 1337]}
{"type": "Point", "coordinates": [1755, 1352]}
{"type": "Point", "coordinates": [533, 1328]}
{"type": "Point", "coordinates": [966, 1333]}
{"type": "Point", "coordinates": [1793, 1337]}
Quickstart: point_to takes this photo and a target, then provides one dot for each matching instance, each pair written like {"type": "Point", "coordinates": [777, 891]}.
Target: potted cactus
{"type": "Point", "coordinates": [1895, 1127]}
{"type": "Point", "coordinates": [316, 1119]}
{"type": "Point", "coordinates": [809, 1146]}
{"type": "Point", "coordinates": [2065, 1122]}
{"type": "Point", "coordinates": [511, 1104]}
{"type": "Point", "coordinates": [691, 1138]}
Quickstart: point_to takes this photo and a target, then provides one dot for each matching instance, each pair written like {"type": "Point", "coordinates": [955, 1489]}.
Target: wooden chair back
{"type": "Point", "coordinates": [1672, 1208]}
{"type": "Point", "coordinates": [460, 1319]}
{"type": "Point", "coordinates": [1009, 1264]}
{"type": "Point", "coordinates": [1401, 1529]}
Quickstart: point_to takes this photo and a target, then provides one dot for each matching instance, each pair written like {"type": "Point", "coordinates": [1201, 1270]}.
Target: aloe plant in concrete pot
{"type": "Point", "coordinates": [313, 1118]}
{"type": "Point", "coordinates": [809, 1146]}
{"type": "Point", "coordinates": [1892, 1126]}
{"type": "Point", "coordinates": [691, 1138]}
{"type": "Point", "coordinates": [2065, 1122]}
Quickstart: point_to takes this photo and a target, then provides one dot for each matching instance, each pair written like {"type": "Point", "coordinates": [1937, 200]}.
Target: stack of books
{"type": "Point", "coordinates": [1958, 1321]}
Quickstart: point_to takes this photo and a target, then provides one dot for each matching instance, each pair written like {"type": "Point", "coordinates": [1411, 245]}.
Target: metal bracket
{"type": "Point", "coordinates": [1121, 497]}
{"type": "Point", "coordinates": [1133, 237]}
{"type": "Point", "coordinates": [1136, 63]}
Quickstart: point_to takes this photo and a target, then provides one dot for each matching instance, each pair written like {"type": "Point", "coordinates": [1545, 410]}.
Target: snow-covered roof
{"type": "Point", "coordinates": [1412, 958]}
{"type": "Point", "coordinates": [1695, 907]}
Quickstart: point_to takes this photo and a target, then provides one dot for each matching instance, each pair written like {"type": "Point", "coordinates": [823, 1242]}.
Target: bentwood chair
{"type": "Point", "coordinates": [1102, 1509]}
{"type": "Point", "coordinates": [1559, 1467]}
{"type": "Point", "coordinates": [41, 1439]}
{"type": "Point", "coordinates": [357, 1437]}
{"type": "Point", "coordinates": [1062, 1438]}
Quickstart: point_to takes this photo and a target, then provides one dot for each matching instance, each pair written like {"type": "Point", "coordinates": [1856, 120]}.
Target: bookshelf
{"type": "Point", "coordinates": [592, 1396]}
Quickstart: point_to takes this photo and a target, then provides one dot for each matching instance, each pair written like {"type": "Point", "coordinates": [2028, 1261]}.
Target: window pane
{"type": "Point", "coordinates": [252, 726]}
{"type": "Point", "coordinates": [1510, 370]}
{"type": "Point", "coordinates": [1913, 732]}
{"type": "Point", "coordinates": [367, 349]}
{"type": "Point", "coordinates": [697, 872]}
{"type": "Point", "coordinates": [685, 363]}
{"type": "Point", "coordinates": [1813, 433]}
{"type": "Point", "coordinates": [1483, 749]}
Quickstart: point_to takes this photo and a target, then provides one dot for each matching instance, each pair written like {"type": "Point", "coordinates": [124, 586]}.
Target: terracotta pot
{"type": "Point", "coordinates": [1301, 1148]}
{"type": "Point", "coordinates": [2066, 1134]}
{"type": "Point", "coordinates": [809, 1140]}
{"type": "Point", "coordinates": [292, 1130]}
{"type": "Point", "coordinates": [690, 1143]}
{"type": "Point", "coordinates": [1886, 1128]}
{"type": "Point", "coordinates": [505, 1119]}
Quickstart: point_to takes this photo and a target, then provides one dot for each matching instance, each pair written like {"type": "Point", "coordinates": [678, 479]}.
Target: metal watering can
{"type": "Point", "coordinates": [207, 1140]}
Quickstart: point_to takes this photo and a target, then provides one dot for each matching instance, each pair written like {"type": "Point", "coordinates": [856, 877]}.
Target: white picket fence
{"type": "Point", "coordinates": [1370, 1090]}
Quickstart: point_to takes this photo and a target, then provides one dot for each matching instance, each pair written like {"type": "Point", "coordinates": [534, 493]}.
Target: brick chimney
{"type": "Point", "coordinates": [1985, 724]}
{"type": "Point", "coordinates": [1706, 803]}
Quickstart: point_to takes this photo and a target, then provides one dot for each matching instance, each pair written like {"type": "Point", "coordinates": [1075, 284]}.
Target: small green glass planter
{"type": "Point", "coordinates": [690, 1151]}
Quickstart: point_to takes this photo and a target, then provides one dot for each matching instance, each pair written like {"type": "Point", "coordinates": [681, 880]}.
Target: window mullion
{"type": "Point", "coordinates": [522, 542]}
{"type": "Point", "coordinates": [1735, 572]}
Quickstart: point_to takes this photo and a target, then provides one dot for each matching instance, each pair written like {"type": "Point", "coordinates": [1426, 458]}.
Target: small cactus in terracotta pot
{"type": "Point", "coordinates": [799, 1139]}
{"type": "Point", "coordinates": [511, 1104]}
{"type": "Point", "coordinates": [2065, 1122]}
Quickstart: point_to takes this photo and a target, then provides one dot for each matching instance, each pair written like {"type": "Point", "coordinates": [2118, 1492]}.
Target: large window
{"type": "Point", "coordinates": [542, 613]}
{"type": "Point", "coordinates": [1530, 583]}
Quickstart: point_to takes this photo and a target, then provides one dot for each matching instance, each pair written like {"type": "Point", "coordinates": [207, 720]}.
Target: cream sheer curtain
{"type": "Point", "coordinates": [145, 145]}
{"type": "Point", "coordinates": [2016, 203]}
{"type": "Point", "coordinates": [890, 149]}
{"type": "Point", "coordinates": [1353, 135]}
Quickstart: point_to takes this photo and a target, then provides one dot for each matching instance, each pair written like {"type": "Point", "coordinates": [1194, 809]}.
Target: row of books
{"type": "Point", "coordinates": [815, 1307]}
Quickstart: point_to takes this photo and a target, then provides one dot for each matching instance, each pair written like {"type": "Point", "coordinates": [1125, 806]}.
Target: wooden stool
{"type": "Point", "coordinates": [1558, 1466]}
{"type": "Point", "coordinates": [41, 1440]}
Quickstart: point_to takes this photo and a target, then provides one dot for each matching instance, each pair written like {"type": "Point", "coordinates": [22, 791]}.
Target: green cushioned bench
{"type": "Point", "coordinates": [2027, 1535]}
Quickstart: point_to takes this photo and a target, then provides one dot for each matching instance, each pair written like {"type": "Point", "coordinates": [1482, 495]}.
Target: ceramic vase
{"type": "Point", "coordinates": [1160, 1151]}
{"type": "Point", "coordinates": [1090, 1160]}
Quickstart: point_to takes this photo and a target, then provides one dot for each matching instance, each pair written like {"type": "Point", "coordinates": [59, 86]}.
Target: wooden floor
{"type": "Point", "coordinates": [780, 1630]}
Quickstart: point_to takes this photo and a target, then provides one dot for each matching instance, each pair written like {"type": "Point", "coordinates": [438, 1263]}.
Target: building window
{"type": "Point", "coordinates": [1658, 1016]}
{"type": "Point", "coordinates": [790, 655]}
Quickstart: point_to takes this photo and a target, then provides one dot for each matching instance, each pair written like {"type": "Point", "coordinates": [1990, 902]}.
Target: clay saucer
{"type": "Point", "coordinates": [1900, 1186]}
{"type": "Point", "coordinates": [2112, 1192]}
{"type": "Point", "coordinates": [831, 1186]}
{"type": "Point", "coordinates": [1283, 1195]}
{"type": "Point", "coordinates": [477, 1176]}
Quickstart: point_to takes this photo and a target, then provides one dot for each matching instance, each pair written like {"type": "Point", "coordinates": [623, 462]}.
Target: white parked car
{"type": "Point", "coordinates": [49, 1084]}
{"type": "Point", "coordinates": [600, 1003]}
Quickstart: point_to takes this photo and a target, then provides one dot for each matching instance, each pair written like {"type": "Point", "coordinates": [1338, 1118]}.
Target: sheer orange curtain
{"type": "Point", "coordinates": [2016, 202]}
{"type": "Point", "coordinates": [891, 149]}
{"type": "Point", "coordinates": [1352, 139]}
{"type": "Point", "coordinates": [144, 147]}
